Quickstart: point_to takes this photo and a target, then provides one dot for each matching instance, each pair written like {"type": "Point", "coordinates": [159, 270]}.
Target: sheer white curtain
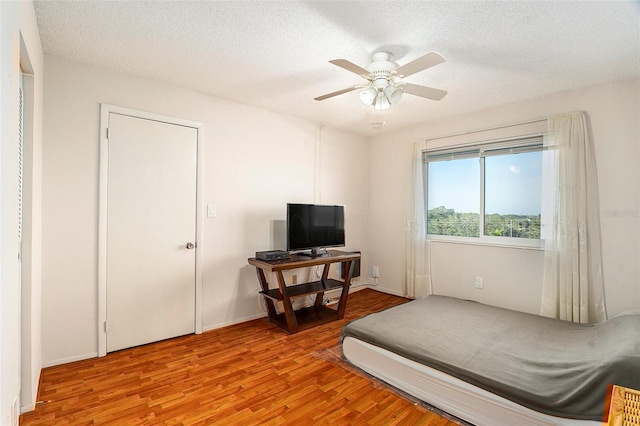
{"type": "Point", "coordinates": [573, 286]}
{"type": "Point", "coordinates": [416, 276]}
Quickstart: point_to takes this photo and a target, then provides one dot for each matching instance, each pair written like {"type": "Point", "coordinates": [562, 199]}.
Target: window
{"type": "Point", "coordinates": [489, 193]}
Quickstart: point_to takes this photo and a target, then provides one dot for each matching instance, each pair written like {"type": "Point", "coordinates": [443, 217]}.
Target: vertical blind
{"type": "Point", "coordinates": [511, 146]}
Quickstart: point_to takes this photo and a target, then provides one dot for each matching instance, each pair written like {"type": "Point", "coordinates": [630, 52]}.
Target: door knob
{"type": "Point", "coordinates": [190, 246]}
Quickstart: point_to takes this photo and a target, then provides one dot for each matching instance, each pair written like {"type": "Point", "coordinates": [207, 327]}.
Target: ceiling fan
{"type": "Point", "coordinates": [382, 89]}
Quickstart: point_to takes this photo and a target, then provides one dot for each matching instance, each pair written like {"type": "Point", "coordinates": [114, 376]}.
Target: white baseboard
{"type": "Point", "coordinates": [234, 322]}
{"type": "Point", "coordinates": [68, 360]}
{"type": "Point", "coordinates": [386, 290]}
{"type": "Point", "coordinates": [27, 408]}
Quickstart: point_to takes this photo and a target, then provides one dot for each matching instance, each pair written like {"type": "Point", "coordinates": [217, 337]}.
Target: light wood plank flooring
{"type": "Point", "coordinates": [247, 374]}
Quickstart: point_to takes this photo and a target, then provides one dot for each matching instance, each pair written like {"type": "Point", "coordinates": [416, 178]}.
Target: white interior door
{"type": "Point", "coordinates": [151, 227]}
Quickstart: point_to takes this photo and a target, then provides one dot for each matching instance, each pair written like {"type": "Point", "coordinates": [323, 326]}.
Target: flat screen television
{"type": "Point", "coordinates": [314, 227]}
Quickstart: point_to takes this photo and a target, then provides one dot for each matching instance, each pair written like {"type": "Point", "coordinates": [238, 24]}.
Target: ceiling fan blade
{"type": "Point", "coordinates": [350, 66]}
{"type": "Point", "coordinates": [422, 63]}
{"type": "Point", "coordinates": [339, 92]}
{"type": "Point", "coordinates": [425, 92]}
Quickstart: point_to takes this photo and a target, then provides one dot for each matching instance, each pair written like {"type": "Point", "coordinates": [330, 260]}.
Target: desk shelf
{"type": "Point", "coordinates": [304, 289]}
{"type": "Point", "coordinates": [300, 319]}
{"type": "Point", "coordinates": [307, 317]}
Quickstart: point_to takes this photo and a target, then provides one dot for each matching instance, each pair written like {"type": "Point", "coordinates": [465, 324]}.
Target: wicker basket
{"type": "Point", "coordinates": [625, 407]}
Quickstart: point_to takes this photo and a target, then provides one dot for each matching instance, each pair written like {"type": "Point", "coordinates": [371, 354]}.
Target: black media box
{"type": "Point", "coordinates": [272, 255]}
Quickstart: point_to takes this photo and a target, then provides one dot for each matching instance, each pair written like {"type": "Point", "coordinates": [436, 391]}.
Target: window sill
{"type": "Point", "coordinates": [537, 245]}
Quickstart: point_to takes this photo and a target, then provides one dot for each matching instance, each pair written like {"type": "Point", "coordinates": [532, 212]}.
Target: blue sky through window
{"type": "Point", "coordinates": [512, 184]}
{"type": "Point", "coordinates": [455, 185]}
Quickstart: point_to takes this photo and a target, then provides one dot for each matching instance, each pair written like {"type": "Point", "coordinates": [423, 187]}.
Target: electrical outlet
{"type": "Point", "coordinates": [375, 272]}
{"type": "Point", "coordinates": [294, 279]}
{"type": "Point", "coordinates": [479, 283]}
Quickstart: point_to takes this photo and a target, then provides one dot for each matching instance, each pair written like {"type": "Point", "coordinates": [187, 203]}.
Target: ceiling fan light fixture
{"type": "Point", "coordinates": [381, 102]}
{"type": "Point", "coordinates": [393, 93]}
{"type": "Point", "coordinates": [382, 90]}
{"type": "Point", "coordinates": [368, 95]}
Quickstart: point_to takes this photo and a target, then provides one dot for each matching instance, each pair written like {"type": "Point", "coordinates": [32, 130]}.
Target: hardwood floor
{"type": "Point", "coordinates": [247, 374]}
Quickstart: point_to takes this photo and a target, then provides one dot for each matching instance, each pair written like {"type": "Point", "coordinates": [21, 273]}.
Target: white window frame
{"type": "Point", "coordinates": [520, 144]}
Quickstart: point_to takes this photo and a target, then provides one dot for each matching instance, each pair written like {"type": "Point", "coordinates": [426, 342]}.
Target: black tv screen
{"type": "Point", "coordinates": [313, 226]}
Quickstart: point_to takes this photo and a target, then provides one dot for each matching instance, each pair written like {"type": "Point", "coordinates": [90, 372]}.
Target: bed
{"type": "Point", "coordinates": [493, 366]}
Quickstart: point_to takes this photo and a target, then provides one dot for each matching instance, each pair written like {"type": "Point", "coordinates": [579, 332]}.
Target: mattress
{"type": "Point", "coordinates": [558, 368]}
{"type": "Point", "coordinates": [449, 394]}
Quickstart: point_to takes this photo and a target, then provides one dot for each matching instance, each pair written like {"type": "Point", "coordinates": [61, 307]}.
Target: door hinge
{"type": "Point", "coordinates": [107, 133]}
{"type": "Point", "coordinates": [105, 326]}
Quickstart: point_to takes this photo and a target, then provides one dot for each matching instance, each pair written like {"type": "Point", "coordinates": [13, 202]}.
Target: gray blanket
{"type": "Point", "coordinates": [551, 366]}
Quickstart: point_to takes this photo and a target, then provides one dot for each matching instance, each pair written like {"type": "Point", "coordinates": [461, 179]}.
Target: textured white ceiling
{"type": "Point", "coordinates": [274, 54]}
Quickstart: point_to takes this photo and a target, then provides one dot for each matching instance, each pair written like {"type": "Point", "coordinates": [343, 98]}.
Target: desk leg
{"type": "Point", "coordinates": [292, 323]}
{"type": "Point", "coordinates": [271, 310]}
{"type": "Point", "coordinates": [342, 305]}
{"type": "Point", "coordinates": [320, 296]}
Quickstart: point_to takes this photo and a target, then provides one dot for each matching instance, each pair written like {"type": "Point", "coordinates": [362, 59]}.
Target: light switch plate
{"type": "Point", "coordinates": [211, 210]}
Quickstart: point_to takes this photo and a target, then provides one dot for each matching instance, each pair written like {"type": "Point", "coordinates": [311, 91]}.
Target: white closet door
{"type": "Point", "coordinates": [151, 231]}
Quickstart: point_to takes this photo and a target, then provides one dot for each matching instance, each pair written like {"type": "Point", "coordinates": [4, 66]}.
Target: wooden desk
{"type": "Point", "coordinates": [296, 320]}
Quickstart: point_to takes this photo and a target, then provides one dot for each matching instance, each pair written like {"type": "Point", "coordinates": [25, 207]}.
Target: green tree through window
{"type": "Point", "coordinates": [494, 187]}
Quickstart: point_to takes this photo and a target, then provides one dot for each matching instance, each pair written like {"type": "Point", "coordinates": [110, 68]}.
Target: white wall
{"type": "Point", "coordinates": [20, 361]}
{"type": "Point", "coordinates": [512, 277]}
{"type": "Point", "coordinates": [255, 162]}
